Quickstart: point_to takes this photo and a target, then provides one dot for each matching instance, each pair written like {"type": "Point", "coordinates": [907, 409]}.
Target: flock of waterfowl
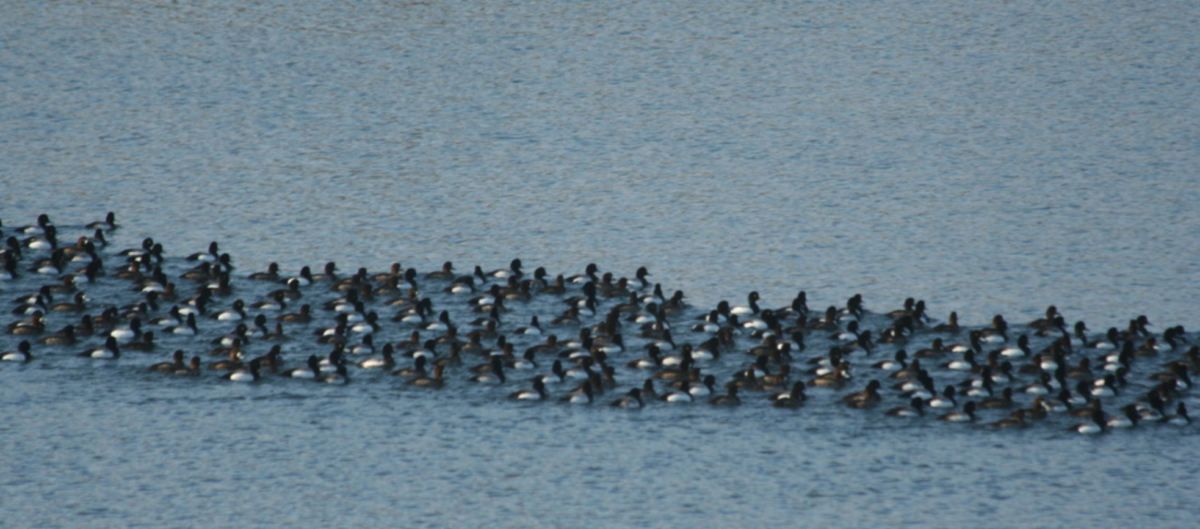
{"type": "Point", "coordinates": [594, 338]}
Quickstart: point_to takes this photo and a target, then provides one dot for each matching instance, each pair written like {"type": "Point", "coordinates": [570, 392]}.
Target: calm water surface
{"type": "Point", "coordinates": [988, 158]}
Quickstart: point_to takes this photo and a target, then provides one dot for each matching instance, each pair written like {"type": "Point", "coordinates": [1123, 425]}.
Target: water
{"type": "Point", "coordinates": [988, 158]}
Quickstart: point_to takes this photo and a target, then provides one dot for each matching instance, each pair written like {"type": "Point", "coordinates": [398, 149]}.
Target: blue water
{"type": "Point", "coordinates": [987, 158]}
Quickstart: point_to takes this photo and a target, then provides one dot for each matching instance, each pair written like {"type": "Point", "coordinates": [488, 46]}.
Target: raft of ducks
{"type": "Point", "coordinates": [594, 337]}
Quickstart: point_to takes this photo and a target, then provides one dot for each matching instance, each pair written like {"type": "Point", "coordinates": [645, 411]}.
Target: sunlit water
{"type": "Point", "coordinates": [988, 158]}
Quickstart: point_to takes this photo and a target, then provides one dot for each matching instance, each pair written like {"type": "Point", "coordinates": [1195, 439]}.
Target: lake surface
{"type": "Point", "coordinates": [986, 158]}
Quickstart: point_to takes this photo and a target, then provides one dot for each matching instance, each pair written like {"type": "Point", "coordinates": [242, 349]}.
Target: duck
{"type": "Point", "coordinates": [43, 221]}
{"type": "Point", "coordinates": [271, 274]}
{"type": "Point", "coordinates": [997, 333]}
{"type": "Point", "coordinates": [453, 358]}
{"type": "Point", "coordinates": [435, 381]}
{"type": "Point", "coordinates": [936, 349]}
{"type": "Point", "coordinates": [750, 308]}
{"type": "Point", "coordinates": [446, 273]}
{"type": "Point", "coordinates": [779, 379]}
{"type": "Point", "coordinates": [1151, 408]}
{"type": "Point", "coordinates": [899, 332]}
{"type": "Point", "coordinates": [65, 336]}
{"type": "Point", "coordinates": [1105, 387]}
{"type": "Point", "coordinates": [534, 328]}
{"type": "Point", "coordinates": [680, 395]}
{"type": "Point", "coordinates": [329, 274]}
{"type": "Point", "coordinates": [340, 376]}
{"type": "Point", "coordinates": [583, 371]}
{"type": "Point", "coordinates": [899, 361]}
{"type": "Point", "coordinates": [1020, 350]}
{"type": "Point", "coordinates": [21, 354]}
{"type": "Point", "coordinates": [416, 370]}
{"type": "Point", "coordinates": [28, 304]}
{"type": "Point", "coordinates": [538, 392]}
{"type": "Point", "coordinates": [912, 371]}
{"type": "Point", "coordinates": [920, 385]}
{"type": "Point", "coordinates": [797, 309]}
{"type": "Point", "coordinates": [369, 324]}
{"type": "Point", "coordinates": [235, 313]}
{"type": "Point", "coordinates": [909, 308]}
{"type": "Point", "coordinates": [210, 256]}
{"type": "Point", "coordinates": [275, 301]}
{"type": "Point", "coordinates": [655, 298]}
{"type": "Point", "coordinates": [1004, 401]}
{"type": "Point", "coordinates": [1041, 387]}
{"type": "Point", "coordinates": [867, 398]}
{"type": "Point", "coordinates": [172, 318]}
{"type": "Point", "coordinates": [513, 270]}
{"type": "Point", "coordinates": [85, 327]}
{"type": "Point", "coordinates": [1014, 420]}
{"type": "Point", "coordinates": [197, 305]}
{"type": "Point", "coordinates": [790, 399]}
{"type": "Point", "coordinates": [613, 345]}
{"type": "Point", "coordinates": [1180, 417]}
{"type": "Point", "coordinates": [110, 351]}
{"type": "Point", "coordinates": [191, 369]}
{"type": "Point", "coordinates": [730, 398]}
{"type": "Point", "coordinates": [1111, 340]}
{"type": "Point", "coordinates": [461, 286]}
{"type": "Point", "coordinates": [273, 360]}
{"type": "Point", "coordinates": [1128, 418]}
{"type": "Point", "coordinates": [427, 349]}
{"type": "Point", "coordinates": [386, 361]}
{"type": "Point", "coordinates": [528, 360]}
{"type": "Point", "coordinates": [144, 249]}
{"type": "Point", "coordinates": [584, 394]}
{"type": "Point", "coordinates": [303, 316]}
{"type": "Point", "coordinates": [966, 363]}
{"type": "Point", "coordinates": [974, 343]}
{"type": "Point", "coordinates": [495, 375]}
{"type": "Point", "coordinates": [311, 369]}
{"type": "Point", "coordinates": [557, 288]}
{"type": "Point", "coordinates": [631, 400]}
{"type": "Point", "coordinates": [188, 328]}
{"type": "Point", "coordinates": [710, 324]}
{"type": "Point", "coordinates": [705, 387]}
{"type": "Point", "coordinates": [146, 344]}
{"type": "Point", "coordinates": [1148, 348]}
{"type": "Point", "coordinates": [855, 308]}
{"type": "Point", "coordinates": [1177, 372]}
{"type": "Point", "coordinates": [233, 360]}
{"type": "Point", "coordinates": [67, 284]}
{"type": "Point", "coordinates": [589, 275]}
{"type": "Point", "coordinates": [249, 373]}
{"type": "Point", "coordinates": [945, 400]}
{"type": "Point", "coordinates": [78, 304]}
{"type": "Point", "coordinates": [1096, 425]}
{"type": "Point", "coordinates": [864, 343]}
{"type": "Point", "coordinates": [826, 322]}
{"type": "Point", "coordinates": [43, 241]}
{"type": "Point", "coordinates": [835, 377]}
{"type": "Point", "coordinates": [1137, 328]}
{"type": "Point", "coordinates": [35, 324]}
{"type": "Point", "coordinates": [9, 271]}
{"type": "Point", "coordinates": [556, 375]}
{"type": "Point", "coordinates": [915, 408]}
{"type": "Point", "coordinates": [772, 347]}
{"type": "Point", "coordinates": [966, 415]}
{"type": "Point", "coordinates": [1050, 320]}
{"type": "Point", "coordinates": [849, 335]}
{"type": "Point", "coordinates": [442, 324]}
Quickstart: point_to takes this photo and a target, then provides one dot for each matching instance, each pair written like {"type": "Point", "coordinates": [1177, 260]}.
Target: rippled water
{"type": "Point", "coordinates": [988, 158]}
